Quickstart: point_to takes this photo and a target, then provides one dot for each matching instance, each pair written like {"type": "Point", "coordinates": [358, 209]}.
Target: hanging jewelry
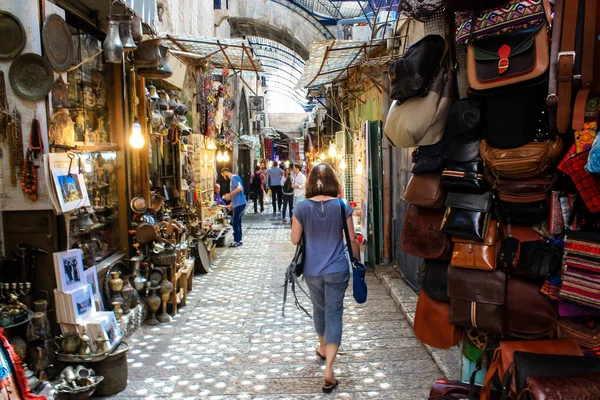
{"type": "Point", "coordinates": [29, 181]}
{"type": "Point", "coordinates": [35, 138]}
{"type": "Point", "coordinates": [4, 113]}
{"type": "Point", "coordinates": [15, 145]}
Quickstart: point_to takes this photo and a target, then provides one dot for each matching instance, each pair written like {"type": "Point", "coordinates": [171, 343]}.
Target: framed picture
{"type": "Point", "coordinates": [82, 302]}
{"type": "Point", "coordinates": [113, 330]}
{"type": "Point", "coordinates": [105, 325]}
{"type": "Point", "coordinates": [91, 278]}
{"type": "Point", "coordinates": [68, 268]}
{"type": "Point", "coordinates": [71, 191]}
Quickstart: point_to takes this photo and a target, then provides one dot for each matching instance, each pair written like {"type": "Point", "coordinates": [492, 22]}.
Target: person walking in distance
{"type": "Point", "coordinates": [326, 268]}
{"type": "Point", "coordinates": [288, 195]}
{"type": "Point", "coordinates": [257, 189]}
{"type": "Point", "coordinates": [275, 174]}
{"type": "Point", "coordinates": [298, 183]}
{"type": "Point", "coordinates": [238, 202]}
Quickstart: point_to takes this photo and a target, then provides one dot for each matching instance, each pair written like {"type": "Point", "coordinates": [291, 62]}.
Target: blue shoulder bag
{"type": "Point", "coordinates": [359, 283]}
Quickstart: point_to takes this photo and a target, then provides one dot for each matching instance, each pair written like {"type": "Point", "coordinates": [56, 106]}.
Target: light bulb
{"type": "Point", "coordinates": [287, 164]}
{"type": "Point", "coordinates": [270, 164]}
{"type": "Point", "coordinates": [219, 156]}
{"type": "Point", "coordinates": [226, 157]}
{"type": "Point", "coordinates": [359, 168]}
{"type": "Point", "coordinates": [343, 164]}
{"type": "Point", "coordinates": [136, 140]}
{"type": "Point", "coordinates": [332, 151]}
{"type": "Point", "coordinates": [322, 156]}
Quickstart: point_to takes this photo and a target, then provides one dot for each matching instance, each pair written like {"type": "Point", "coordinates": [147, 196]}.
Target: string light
{"type": "Point", "coordinates": [332, 151]}
{"type": "Point", "coordinates": [359, 168]}
{"type": "Point", "coordinates": [343, 164]}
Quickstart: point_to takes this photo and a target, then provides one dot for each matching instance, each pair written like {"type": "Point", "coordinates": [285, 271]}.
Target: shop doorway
{"type": "Point", "coordinates": [244, 167]}
{"type": "Point", "coordinates": [375, 168]}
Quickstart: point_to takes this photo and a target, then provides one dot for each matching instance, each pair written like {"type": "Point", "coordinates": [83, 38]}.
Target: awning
{"type": "Point", "coordinates": [330, 61]}
{"type": "Point", "coordinates": [235, 54]}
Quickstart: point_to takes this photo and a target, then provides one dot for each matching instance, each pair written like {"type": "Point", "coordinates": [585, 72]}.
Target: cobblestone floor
{"type": "Point", "coordinates": [232, 342]}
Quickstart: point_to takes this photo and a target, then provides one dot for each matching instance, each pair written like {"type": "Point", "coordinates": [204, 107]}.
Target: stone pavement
{"type": "Point", "coordinates": [232, 342]}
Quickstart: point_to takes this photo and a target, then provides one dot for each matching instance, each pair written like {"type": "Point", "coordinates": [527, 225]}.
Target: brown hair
{"type": "Point", "coordinates": [322, 181]}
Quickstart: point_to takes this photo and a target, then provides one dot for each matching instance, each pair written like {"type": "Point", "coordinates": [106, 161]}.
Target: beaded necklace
{"type": "Point", "coordinates": [29, 181]}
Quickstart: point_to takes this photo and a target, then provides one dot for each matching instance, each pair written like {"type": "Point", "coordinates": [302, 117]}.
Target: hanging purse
{"type": "Point", "coordinates": [463, 176]}
{"type": "Point", "coordinates": [522, 190]}
{"type": "Point", "coordinates": [427, 159]}
{"type": "Point", "coordinates": [425, 191]}
{"type": "Point", "coordinates": [359, 282]}
{"type": "Point", "coordinates": [433, 277]}
{"type": "Point", "coordinates": [516, 14]}
{"type": "Point", "coordinates": [588, 185]}
{"type": "Point", "coordinates": [476, 255]}
{"type": "Point", "coordinates": [467, 215]}
{"type": "Point", "coordinates": [411, 74]}
{"type": "Point", "coordinates": [421, 236]}
{"type": "Point", "coordinates": [477, 299]}
{"type": "Point", "coordinates": [537, 319]}
{"type": "Point", "coordinates": [421, 121]}
{"type": "Point", "coordinates": [523, 162]}
{"type": "Point", "coordinates": [432, 323]}
{"type": "Point", "coordinates": [515, 57]}
{"type": "Point", "coordinates": [566, 387]}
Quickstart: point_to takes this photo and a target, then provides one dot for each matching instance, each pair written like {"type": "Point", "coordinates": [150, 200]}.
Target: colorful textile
{"type": "Point", "coordinates": [584, 138]}
{"type": "Point", "coordinates": [517, 14]}
{"type": "Point", "coordinates": [13, 384]}
{"type": "Point", "coordinates": [585, 331]}
{"type": "Point", "coordinates": [588, 185]}
{"type": "Point", "coordinates": [581, 281]}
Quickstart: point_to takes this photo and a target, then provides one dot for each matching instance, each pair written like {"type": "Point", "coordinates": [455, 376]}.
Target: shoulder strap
{"type": "Point", "coordinates": [551, 101]}
{"type": "Point", "coordinates": [566, 63]}
{"type": "Point", "coordinates": [346, 233]}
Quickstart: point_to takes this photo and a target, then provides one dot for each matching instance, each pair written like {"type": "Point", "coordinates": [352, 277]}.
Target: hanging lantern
{"type": "Point", "coordinates": [226, 157]}
{"type": "Point", "coordinates": [343, 164]}
{"type": "Point", "coordinates": [125, 34]}
{"type": "Point", "coordinates": [219, 157]}
{"type": "Point", "coordinates": [321, 156]}
{"type": "Point", "coordinates": [113, 47]}
{"type": "Point", "coordinates": [332, 151]}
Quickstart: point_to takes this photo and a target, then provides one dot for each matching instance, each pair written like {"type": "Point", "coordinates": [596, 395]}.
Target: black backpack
{"type": "Point", "coordinates": [287, 186]}
{"type": "Point", "coordinates": [256, 182]}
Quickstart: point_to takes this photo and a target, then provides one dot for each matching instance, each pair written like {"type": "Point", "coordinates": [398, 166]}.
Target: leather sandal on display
{"type": "Point", "coordinates": [329, 386]}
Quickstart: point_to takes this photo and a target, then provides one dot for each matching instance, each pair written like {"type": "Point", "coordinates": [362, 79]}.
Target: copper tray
{"type": "Point", "coordinates": [56, 39]}
{"type": "Point", "coordinates": [12, 34]}
{"type": "Point", "coordinates": [31, 76]}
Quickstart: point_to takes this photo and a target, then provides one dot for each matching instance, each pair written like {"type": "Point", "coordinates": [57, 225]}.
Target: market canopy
{"type": "Point", "coordinates": [330, 61]}
{"type": "Point", "coordinates": [234, 54]}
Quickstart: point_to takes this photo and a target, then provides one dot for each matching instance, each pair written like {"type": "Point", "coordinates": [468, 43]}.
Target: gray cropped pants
{"type": "Point", "coordinates": [327, 293]}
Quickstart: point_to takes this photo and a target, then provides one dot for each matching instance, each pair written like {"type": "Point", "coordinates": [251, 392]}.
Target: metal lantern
{"type": "Point", "coordinates": [126, 35]}
{"type": "Point", "coordinates": [113, 46]}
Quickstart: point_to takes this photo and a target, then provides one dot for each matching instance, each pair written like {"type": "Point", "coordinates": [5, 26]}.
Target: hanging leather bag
{"type": "Point", "coordinates": [425, 191]}
{"type": "Point", "coordinates": [523, 162]}
{"type": "Point", "coordinates": [433, 277]}
{"type": "Point", "coordinates": [522, 190]}
{"type": "Point", "coordinates": [432, 323]}
{"type": "Point", "coordinates": [421, 121]}
{"type": "Point", "coordinates": [477, 299]}
{"type": "Point", "coordinates": [428, 158]}
{"type": "Point", "coordinates": [476, 255]}
{"type": "Point", "coordinates": [567, 387]}
{"type": "Point", "coordinates": [535, 320]}
{"type": "Point", "coordinates": [421, 236]}
{"type": "Point", "coordinates": [463, 176]}
{"type": "Point", "coordinates": [514, 57]}
{"type": "Point", "coordinates": [467, 215]}
{"type": "Point", "coordinates": [504, 358]}
{"type": "Point", "coordinates": [411, 74]}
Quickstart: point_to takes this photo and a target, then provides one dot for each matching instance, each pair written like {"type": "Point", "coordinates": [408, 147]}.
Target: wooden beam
{"type": "Point", "coordinates": [350, 63]}
{"type": "Point", "coordinates": [251, 61]}
{"type": "Point", "coordinates": [176, 43]}
{"type": "Point", "coordinates": [143, 156]}
{"type": "Point", "coordinates": [322, 64]}
{"type": "Point", "coordinates": [233, 68]}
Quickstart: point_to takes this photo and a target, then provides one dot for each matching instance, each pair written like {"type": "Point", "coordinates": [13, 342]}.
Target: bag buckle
{"type": "Point", "coordinates": [566, 54]}
{"type": "Point", "coordinates": [503, 65]}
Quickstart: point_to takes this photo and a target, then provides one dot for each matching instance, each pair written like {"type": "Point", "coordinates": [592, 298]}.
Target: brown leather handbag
{"type": "Point", "coordinates": [477, 299]}
{"type": "Point", "coordinates": [504, 357]}
{"type": "Point", "coordinates": [477, 255]}
{"type": "Point", "coordinates": [421, 234]}
{"type": "Point", "coordinates": [522, 190]}
{"type": "Point", "coordinates": [425, 191]}
{"type": "Point", "coordinates": [523, 162]}
{"type": "Point", "coordinates": [531, 314]}
{"type": "Point", "coordinates": [565, 387]}
{"type": "Point", "coordinates": [432, 323]}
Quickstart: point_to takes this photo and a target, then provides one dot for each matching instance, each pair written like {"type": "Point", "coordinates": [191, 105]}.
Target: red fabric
{"type": "Point", "coordinates": [19, 373]}
{"type": "Point", "coordinates": [587, 184]}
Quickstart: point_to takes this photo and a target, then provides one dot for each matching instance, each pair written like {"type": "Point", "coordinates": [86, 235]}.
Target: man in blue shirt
{"type": "Point", "coordinates": [275, 174]}
{"type": "Point", "coordinates": [238, 202]}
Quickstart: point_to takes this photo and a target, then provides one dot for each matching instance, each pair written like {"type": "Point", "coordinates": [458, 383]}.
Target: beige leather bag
{"type": "Point", "coordinates": [421, 121]}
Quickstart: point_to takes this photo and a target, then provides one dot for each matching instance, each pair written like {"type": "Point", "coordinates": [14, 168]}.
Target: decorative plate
{"type": "Point", "coordinates": [12, 34]}
{"type": "Point", "coordinates": [56, 39]}
{"type": "Point", "coordinates": [31, 76]}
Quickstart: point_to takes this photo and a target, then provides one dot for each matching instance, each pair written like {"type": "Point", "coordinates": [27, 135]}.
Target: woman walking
{"type": "Point", "coordinates": [288, 195]}
{"type": "Point", "coordinates": [326, 268]}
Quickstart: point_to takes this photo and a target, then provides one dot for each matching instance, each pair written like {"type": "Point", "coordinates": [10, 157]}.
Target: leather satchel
{"type": "Point", "coordinates": [504, 358]}
{"type": "Point", "coordinates": [531, 314]}
{"type": "Point", "coordinates": [502, 60]}
{"type": "Point", "coordinates": [550, 365]}
{"type": "Point", "coordinates": [432, 323]}
{"type": "Point", "coordinates": [425, 191]}
{"type": "Point", "coordinates": [467, 215]}
{"type": "Point", "coordinates": [411, 74]}
{"type": "Point", "coordinates": [428, 158]}
{"type": "Point", "coordinates": [522, 190]}
{"type": "Point", "coordinates": [475, 255]}
{"type": "Point", "coordinates": [477, 299]}
{"type": "Point", "coordinates": [463, 176]}
{"type": "Point", "coordinates": [421, 121]}
{"type": "Point", "coordinates": [444, 389]}
{"type": "Point", "coordinates": [582, 387]}
{"type": "Point", "coordinates": [523, 162]}
{"type": "Point", "coordinates": [524, 213]}
{"type": "Point", "coordinates": [433, 277]}
{"type": "Point", "coordinates": [421, 236]}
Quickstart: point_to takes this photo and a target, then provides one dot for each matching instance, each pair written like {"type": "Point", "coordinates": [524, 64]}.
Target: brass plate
{"type": "Point", "coordinates": [12, 34]}
{"type": "Point", "coordinates": [56, 39]}
{"type": "Point", "coordinates": [31, 76]}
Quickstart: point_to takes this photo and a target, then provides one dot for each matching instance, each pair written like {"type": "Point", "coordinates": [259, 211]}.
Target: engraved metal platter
{"type": "Point", "coordinates": [56, 39]}
{"type": "Point", "coordinates": [31, 76]}
{"type": "Point", "coordinates": [12, 34]}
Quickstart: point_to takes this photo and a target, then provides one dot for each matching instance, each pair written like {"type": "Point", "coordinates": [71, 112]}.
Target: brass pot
{"type": "Point", "coordinates": [162, 71]}
{"type": "Point", "coordinates": [147, 53]}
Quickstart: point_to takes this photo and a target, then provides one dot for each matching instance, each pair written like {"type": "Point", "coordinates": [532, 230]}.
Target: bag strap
{"type": "Point", "coordinates": [552, 99]}
{"type": "Point", "coordinates": [494, 368]}
{"type": "Point", "coordinates": [346, 232]}
{"type": "Point", "coordinates": [587, 63]}
{"type": "Point", "coordinates": [566, 62]}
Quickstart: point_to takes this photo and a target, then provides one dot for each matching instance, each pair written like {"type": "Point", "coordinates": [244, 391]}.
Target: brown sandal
{"type": "Point", "coordinates": [329, 386]}
{"type": "Point", "coordinates": [321, 356]}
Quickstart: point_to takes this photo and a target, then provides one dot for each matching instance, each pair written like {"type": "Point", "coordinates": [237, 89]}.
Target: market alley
{"type": "Point", "coordinates": [232, 342]}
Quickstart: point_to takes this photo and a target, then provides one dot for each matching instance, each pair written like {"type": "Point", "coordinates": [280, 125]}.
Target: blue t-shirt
{"type": "Point", "coordinates": [275, 174]}
{"type": "Point", "coordinates": [237, 199]}
{"type": "Point", "coordinates": [323, 230]}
